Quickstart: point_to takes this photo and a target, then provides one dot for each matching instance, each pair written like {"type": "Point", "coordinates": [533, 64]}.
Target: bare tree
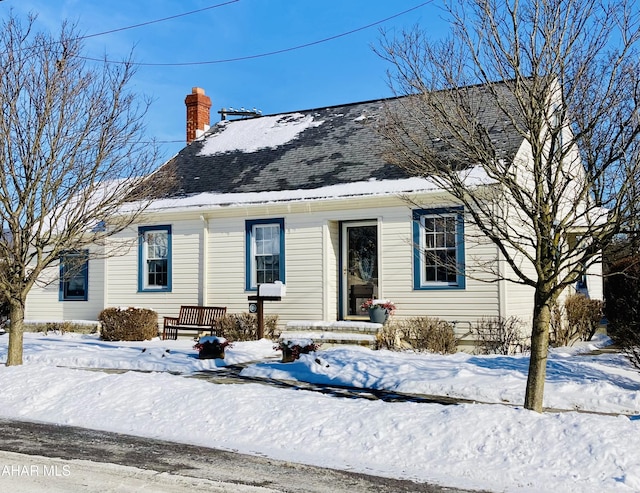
{"type": "Point", "coordinates": [71, 151]}
{"type": "Point", "coordinates": [564, 77]}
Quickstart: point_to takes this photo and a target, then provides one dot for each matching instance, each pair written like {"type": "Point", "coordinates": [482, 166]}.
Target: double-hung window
{"type": "Point", "coordinates": [154, 258]}
{"type": "Point", "coordinates": [265, 252]}
{"type": "Point", "coordinates": [74, 276]}
{"type": "Point", "coordinates": [438, 237]}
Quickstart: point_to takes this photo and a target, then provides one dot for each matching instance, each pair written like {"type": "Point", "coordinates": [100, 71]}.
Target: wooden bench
{"type": "Point", "coordinates": [200, 318]}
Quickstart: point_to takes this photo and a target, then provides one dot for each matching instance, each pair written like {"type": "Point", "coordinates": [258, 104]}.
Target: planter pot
{"type": "Point", "coordinates": [287, 355]}
{"type": "Point", "coordinates": [290, 354]}
{"type": "Point", "coordinates": [211, 351]}
{"type": "Point", "coordinates": [378, 315]}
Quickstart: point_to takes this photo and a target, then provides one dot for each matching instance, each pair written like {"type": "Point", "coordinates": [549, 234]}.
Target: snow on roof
{"type": "Point", "coordinates": [472, 176]}
{"type": "Point", "coordinates": [256, 133]}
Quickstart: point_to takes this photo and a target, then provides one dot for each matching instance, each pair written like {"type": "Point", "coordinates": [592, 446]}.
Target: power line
{"type": "Point", "coordinates": [261, 55]}
{"type": "Point", "coordinates": [157, 20]}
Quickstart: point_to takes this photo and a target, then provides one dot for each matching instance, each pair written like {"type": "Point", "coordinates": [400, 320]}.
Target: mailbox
{"type": "Point", "coordinates": [266, 292]}
{"type": "Point", "coordinates": [275, 289]}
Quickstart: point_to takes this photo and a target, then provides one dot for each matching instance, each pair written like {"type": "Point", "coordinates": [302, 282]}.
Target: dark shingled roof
{"type": "Point", "coordinates": [344, 148]}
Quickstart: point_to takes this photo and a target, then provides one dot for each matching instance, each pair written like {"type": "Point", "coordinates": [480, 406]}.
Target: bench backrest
{"type": "Point", "coordinates": [200, 315]}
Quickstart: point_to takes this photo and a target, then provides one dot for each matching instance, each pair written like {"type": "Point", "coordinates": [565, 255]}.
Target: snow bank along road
{"type": "Point", "coordinates": [38, 457]}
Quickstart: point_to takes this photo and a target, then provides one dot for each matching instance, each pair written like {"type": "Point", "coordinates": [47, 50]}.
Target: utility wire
{"type": "Point", "coordinates": [261, 55]}
{"type": "Point", "coordinates": [157, 20]}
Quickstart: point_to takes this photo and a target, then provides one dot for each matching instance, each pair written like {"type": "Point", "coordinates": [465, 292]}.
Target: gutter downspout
{"type": "Point", "coordinates": [203, 291]}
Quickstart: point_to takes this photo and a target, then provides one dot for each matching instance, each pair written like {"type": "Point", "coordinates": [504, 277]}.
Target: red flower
{"type": "Point", "coordinates": [379, 304]}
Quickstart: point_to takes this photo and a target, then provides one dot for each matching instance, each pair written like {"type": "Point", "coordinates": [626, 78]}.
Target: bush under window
{"type": "Point", "coordinates": [419, 334]}
{"type": "Point", "coordinates": [128, 324]}
{"type": "Point", "coordinates": [244, 326]}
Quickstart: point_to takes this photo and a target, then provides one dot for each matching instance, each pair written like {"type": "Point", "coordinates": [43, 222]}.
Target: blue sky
{"type": "Point", "coordinates": [338, 71]}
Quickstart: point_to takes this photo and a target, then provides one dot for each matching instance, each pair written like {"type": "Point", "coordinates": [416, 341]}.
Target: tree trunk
{"type": "Point", "coordinates": [16, 332]}
{"type": "Point", "coordinates": [539, 351]}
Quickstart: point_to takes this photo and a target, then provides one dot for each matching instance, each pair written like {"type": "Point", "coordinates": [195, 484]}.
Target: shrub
{"type": "Point", "coordinates": [499, 335]}
{"type": "Point", "coordinates": [623, 306]}
{"type": "Point", "coordinates": [557, 323]}
{"type": "Point", "coordinates": [582, 319]}
{"type": "Point", "coordinates": [128, 324]}
{"type": "Point", "coordinates": [419, 333]}
{"type": "Point", "coordinates": [390, 336]}
{"type": "Point", "coordinates": [79, 327]}
{"type": "Point", "coordinates": [244, 326]}
{"type": "Point", "coordinates": [293, 348]}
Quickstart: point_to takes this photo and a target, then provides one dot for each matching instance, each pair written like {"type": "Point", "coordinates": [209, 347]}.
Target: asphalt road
{"type": "Point", "coordinates": [37, 457]}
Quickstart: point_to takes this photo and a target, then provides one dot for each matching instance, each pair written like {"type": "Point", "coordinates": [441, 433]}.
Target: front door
{"type": "Point", "coordinates": [359, 266]}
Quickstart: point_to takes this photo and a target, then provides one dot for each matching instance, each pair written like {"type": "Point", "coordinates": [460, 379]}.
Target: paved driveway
{"type": "Point", "coordinates": [37, 457]}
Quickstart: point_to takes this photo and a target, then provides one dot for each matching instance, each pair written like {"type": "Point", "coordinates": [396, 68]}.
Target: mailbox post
{"type": "Point", "coordinates": [266, 292]}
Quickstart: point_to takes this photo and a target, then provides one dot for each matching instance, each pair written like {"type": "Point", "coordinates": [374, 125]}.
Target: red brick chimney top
{"type": "Point", "coordinates": [198, 113]}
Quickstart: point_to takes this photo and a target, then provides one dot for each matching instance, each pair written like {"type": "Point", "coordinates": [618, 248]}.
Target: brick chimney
{"type": "Point", "coordinates": [198, 106]}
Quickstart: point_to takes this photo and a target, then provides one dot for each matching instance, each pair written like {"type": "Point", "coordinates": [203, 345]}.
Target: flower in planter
{"type": "Point", "coordinates": [378, 305]}
{"type": "Point", "coordinates": [210, 347]}
{"type": "Point", "coordinates": [293, 348]}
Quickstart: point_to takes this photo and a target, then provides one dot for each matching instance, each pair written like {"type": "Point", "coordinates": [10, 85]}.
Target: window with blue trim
{"type": "Point", "coordinates": [438, 238]}
{"type": "Point", "coordinates": [74, 276]}
{"type": "Point", "coordinates": [265, 252]}
{"type": "Point", "coordinates": [154, 258]}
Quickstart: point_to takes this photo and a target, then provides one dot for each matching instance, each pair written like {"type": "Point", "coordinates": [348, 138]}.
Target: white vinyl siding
{"type": "Point", "coordinates": [211, 248]}
{"type": "Point", "coordinates": [187, 270]}
{"type": "Point", "coordinates": [594, 282]}
{"type": "Point", "coordinates": [463, 306]}
{"type": "Point", "coordinates": [312, 274]}
{"type": "Point", "coordinates": [312, 270]}
{"type": "Point", "coordinates": [43, 301]}
{"type": "Point", "coordinates": [304, 267]}
{"type": "Point", "coordinates": [331, 270]}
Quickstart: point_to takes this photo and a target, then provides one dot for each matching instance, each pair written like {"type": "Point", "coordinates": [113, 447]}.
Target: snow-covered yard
{"type": "Point", "coordinates": [494, 445]}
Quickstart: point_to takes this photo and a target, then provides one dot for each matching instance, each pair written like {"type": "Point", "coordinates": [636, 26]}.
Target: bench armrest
{"type": "Point", "coordinates": [169, 333]}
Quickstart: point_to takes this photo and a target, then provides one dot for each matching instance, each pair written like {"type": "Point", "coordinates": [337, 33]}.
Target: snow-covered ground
{"type": "Point", "coordinates": [494, 445]}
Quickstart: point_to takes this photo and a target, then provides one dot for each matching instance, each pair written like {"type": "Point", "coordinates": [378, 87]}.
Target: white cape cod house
{"type": "Point", "coordinates": [308, 199]}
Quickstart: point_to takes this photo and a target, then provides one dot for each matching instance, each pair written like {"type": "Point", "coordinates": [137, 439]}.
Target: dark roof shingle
{"type": "Point", "coordinates": [342, 145]}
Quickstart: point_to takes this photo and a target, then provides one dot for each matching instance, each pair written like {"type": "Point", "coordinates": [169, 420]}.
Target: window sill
{"type": "Point", "coordinates": [154, 290]}
{"type": "Point", "coordinates": [439, 287]}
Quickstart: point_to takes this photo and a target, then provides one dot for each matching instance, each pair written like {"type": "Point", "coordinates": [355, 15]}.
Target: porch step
{"type": "Point", "coordinates": [333, 333]}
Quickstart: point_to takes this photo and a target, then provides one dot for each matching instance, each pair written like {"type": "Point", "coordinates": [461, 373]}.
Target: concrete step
{"type": "Point", "coordinates": [333, 333]}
